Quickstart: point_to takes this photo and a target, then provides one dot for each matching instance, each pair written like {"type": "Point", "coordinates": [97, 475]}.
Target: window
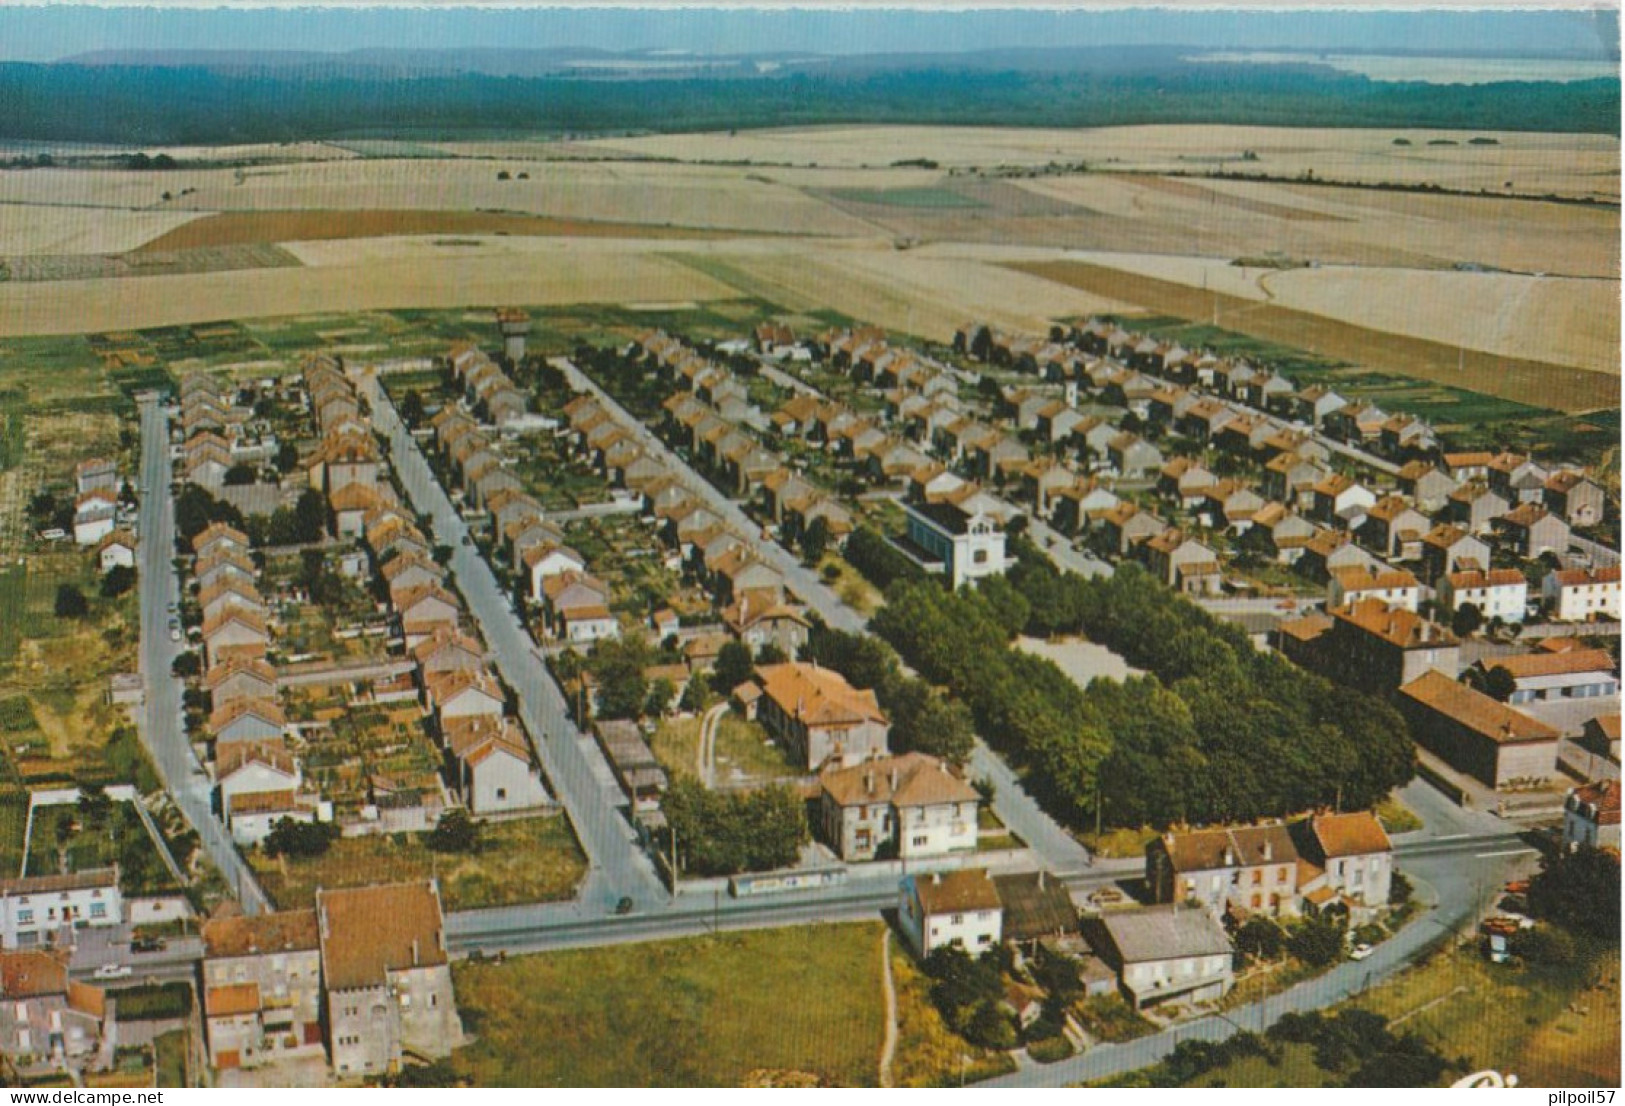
{"type": "Point", "coordinates": [979, 557]}
{"type": "Point", "coordinates": [1258, 877]}
{"type": "Point", "coordinates": [98, 910]}
{"type": "Point", "coordinates": [502, 793]}
{"type": "Point", "coordinates": [25, 917]}
{"type": "Point", "coordinates": [921, 841]}
{"type": "Point", "coordinates": [1280, 875]}
{"type": "Point", "coordinates": [958, 919]}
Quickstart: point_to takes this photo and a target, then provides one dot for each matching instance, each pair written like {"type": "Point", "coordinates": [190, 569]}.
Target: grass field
{"type": "Point", "coordinates": [62, 832]}
{"type": "Point", "coordinates": [1523, 382]}
{"type": "Point", "coordinates": [723, 1011]}
{"type": "Point", "coordinates": [929, 1054]}
{"type": "Point", "coordinates": [170, 1049]}
{"type": "Point", "coordinates": [528, 860]}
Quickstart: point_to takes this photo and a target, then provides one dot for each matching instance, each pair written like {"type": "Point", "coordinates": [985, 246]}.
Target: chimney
{"type": "Point", "coordinates": [936, 877]}
{"type": "Point", "coordinates": [1269, 852]}
{"type": "Point", "coordinates": [869, 782]}
{"type": "Point", "coordinates": [894, 779]}
{"type": "Point", "coordinates": [1040, 879]}
{"type": "Point", "coordinates": [1229, 857]}
{"type": "Point", "coordinates": [414, 952]}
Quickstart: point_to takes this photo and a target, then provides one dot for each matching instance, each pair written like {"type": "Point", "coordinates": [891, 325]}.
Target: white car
{"type": "Point", "coordinates": [113, 971]}
{"type": "Point", "coordinates": [174, 633]}
{"type": "Point", "coordinates": [1361, 952]}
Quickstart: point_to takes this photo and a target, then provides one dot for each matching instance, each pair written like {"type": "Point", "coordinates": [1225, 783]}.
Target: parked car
{"type": "Point", "coordinates": [148, 944]}
{"type": "Point", "coordinates": [113, 971]}
{"type": "Point", "coordinates": [1361, 951]}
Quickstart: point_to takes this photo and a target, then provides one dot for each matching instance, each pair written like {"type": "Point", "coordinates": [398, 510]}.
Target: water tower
{"type": "Point", "coordinates": [514, 324]}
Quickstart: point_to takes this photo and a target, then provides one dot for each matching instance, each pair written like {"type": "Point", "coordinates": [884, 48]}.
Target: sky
{"type": "Point", "coordinates": [45, 32]}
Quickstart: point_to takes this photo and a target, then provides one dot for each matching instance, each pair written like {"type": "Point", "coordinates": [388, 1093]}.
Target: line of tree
{"type": "Point", "coordinates": [1215, 731]}
{"type": "Point", "coordinates": [878, 560]}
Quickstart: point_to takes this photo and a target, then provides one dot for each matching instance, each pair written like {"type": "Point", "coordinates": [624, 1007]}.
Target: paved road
{"type": "Point", "coordinates": [162, 728]}
{"type": "Point", "coordinates": [1455, 878]}
{"type": "Point", "coordinates": [617, 865]}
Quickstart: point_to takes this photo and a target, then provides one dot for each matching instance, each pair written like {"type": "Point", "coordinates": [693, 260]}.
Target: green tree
{"type": "Point", "coordinates": [815, 540]}
{"type": "Point", "coordinates": [618, 665]}
{"type": "Point", "coordinates": [239, 474]}
{"type": "Point", "coordinates": [1260, 938]}
{"type": "Point", "coordinates": [70, 602]}
{"type": "Point", "coordinates": [1317, 941]}
{"type": "Point", "coordinates": [1467, 619]}
{"type": "Point", "coordinates": [1579, 891]}
{"type": "Point", "coordinates": [1499, 684]}
{"type": "Point", "coordinates": [770, 653]}
{"type": "Point", "coordinates": [186, 665]}
{"type": "Point", "coordinates": [734, 666]}
{"type": "Point", "coordinates": [293, 838]}
{"type": "Point", "coordinates": [310, 516]}
{"type": "Point", "coordinates": [287, 457]}
{"type": "Point", "coordinates": [455, 832]}
{"type": "Point", "coordinates": [661, 693]}
{"type": "Point", "coordinates": [412, 408]}
{"type": "Point", "coordinates": [117, 580]}
{"type": "Point", "coordinates": [725, 833]}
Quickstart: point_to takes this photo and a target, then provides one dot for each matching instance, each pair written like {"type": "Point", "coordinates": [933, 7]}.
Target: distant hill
{"type": "Point", "coordinates": [174, 97]}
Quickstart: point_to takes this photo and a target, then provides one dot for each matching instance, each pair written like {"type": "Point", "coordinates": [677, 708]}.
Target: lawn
{"type": "Point", "coordinates": [743, 750]}
{"type": "Point", "coordinates": [171, 1055]}
{"type": "Point", "coordinates": [1396, 817]}
{"type": "Point", "coordinates": [728, 1010]}
{"type": "Point", "coordinates": [65, 833]}
{"type": "Point", "coordinates": [526, 860]}
{"type": "Point", "coordinates": [13, 822]}
{"type": "Point", "coordinates": [929, 1054]}
{"type": "Point", "coordinates": [855, 591]}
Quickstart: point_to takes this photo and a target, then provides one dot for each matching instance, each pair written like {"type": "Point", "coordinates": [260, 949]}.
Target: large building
{"type": "Point", "coordinates": [262, 989]}
{"type": "Point", "coordinates": [1473, 733]}
{"type": "Point", "coordinates": [817, 715]}
{"type": "Point", "coordinates": [969, 543]}
{"type": "Point", "coordinates": [908, 807]}
{"type": "Point", "coordinates": [1166, 952]}
{"type": "Point", "coordinates": [386, 977]}
{"type": "Point", "coordinates": [1581, 594]}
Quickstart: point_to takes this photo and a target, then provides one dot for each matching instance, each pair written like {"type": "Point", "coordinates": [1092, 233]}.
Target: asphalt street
{"type": "Point", "coordinates": [617, 864]}
{"type": "Point", "coordinates": [163, 725]}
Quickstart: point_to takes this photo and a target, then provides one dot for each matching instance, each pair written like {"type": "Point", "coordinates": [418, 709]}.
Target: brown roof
{"type": "Point", "coordinates": [1395, 625]}
{"type": "Point", "coordinates": [367, 932]}
{"type": "Point", "coordinates": [254, 666]}
{"type": "Point", "coordinates": [234, 755]}
{"type": "Point", "coordinates": [260, 708]}
{"type": "Point", "coordinates": [957, 892]}
{"type": "Point", "coordinates": [262, 802]}
{"type": "Point", "coordinates": [1205, 850]}
{"type": "Point", "coordinates": [246, 618]}
{"type": "Point", "coordinates": [86, 880]}
{"type": "Point", "coordinates": [1575, 577]}
{"type": "Point", "coordinates": [1532, 665]}
{"type": "Point", "coordinates": [1370, 578]}
{"type": "Point", "coordinates": [284, 931]}
{"type": "Point", "coordinates": [231, 1000]}
{"type": "Point", "coordinates": [1494, 578]}
{"type": "Point", "coordinates": [1475, 710]}
{"type": "Point", "coordinates": [818, 696]}
{"type": "Point", "coordinates": [32, 973]}
{"type": "Point", "coordinates": [1307, 628]}
{"type": "Point", "coordinates": [1604, 797]}
{"type": "Point", "coordinates": [1357, 833]}
{"type": "Point", "coordinates": [913, 779]}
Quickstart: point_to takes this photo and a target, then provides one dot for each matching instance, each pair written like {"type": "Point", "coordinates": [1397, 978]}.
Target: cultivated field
{"type": "Point", "coordinates": [43, 229]}
{"type": "Point", "coordinates": [1570, 165]}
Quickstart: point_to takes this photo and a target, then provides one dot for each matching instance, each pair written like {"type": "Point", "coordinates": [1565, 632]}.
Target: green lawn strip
{"type": "Point", "coordinates": [725, 1010]}
{"type": "Point", "coordinates": [170, 1049]}
{"type": "Point", "coordinates": [525, 860]}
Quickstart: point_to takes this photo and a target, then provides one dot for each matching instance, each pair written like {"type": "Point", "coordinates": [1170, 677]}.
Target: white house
{"type": "Point", "coordinates": [549, 559]}
{"type": "Point", "coordinates": [495, 772]}
{"type": "Point", "coordinates": [1499, 593]}
{"type": "Point", "coordinates": [1165, 952]}
{"type": "Point", "coordinates": [94, 516]}
{"type": "Point", "coordinates": [947, 909]}
{"type": "Point", "coordinates": [1591, 815]}
{"type": "Point", "coordinates": [588, 622]}
{"type": "Point", "coordinates": [1580, 594]}
{"type": "Point", "coordinates": [116, 550]}
{"type": "Point", "coordinates": [1396, 587]}
{"type": "Point", "coordinates": [914, 800]}
{"type": "Point", "coordinates": [969, 543]}
{"type": "Point", "coordinates": [37, 910]}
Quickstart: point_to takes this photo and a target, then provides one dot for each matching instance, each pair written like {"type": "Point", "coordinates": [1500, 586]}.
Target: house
{"type": "Point", "coordinates": [492, 765]}
{"type": "Point", "coordinates": [1395, 587]}
{"type": "Point", "coordinates": [1124, 527]}
{"type": "Point", "coordinates": [549, 559]}
{"type": "Point", "coordinates": [1377, 647]}
{"type": "Point", "coordinates": [1591, 816]}
{"type": "Point", "coordinates": [248, 767]}
{"type": "Point", "coordinates": [1280, 532]}
{"type": "Point", "coordinates": [252, 815]}
{"type": "Point", "coordinates": [95, 514]}
{"type": "Point", "coordinates": [1447, 549]}
{"type": "Point", "coordinates": [583, 622]}
{"type": "Point", "coordinates": [1339, 497]}
{"type": "Point", "coordinates": [907, 806]}
{"type": "Point", "coordinates": [959, 909]}
{"type": "Point", "coordinates": [462, 693]}
{"type": "Point", "coordinates": [1544, 677]}
{"type": "Point", "coordinates": [1518, 479]}
{"type": "Point", "coordinates": [240, 678]}
{"type": "Point", "coordinates": [246, 720]}
{"type": "Point", "coordinates": [1315, 402]}
{"type": "Point", "coordinates": [446, 651]}
{"type": "Point", "coordinates": [1329, 551]}
{"type": "Point", "coordinates": [758, 622]}
{"type": "Point", "coordinates": [818, 716]}
{"type": "Point", "coordinates": [1427, 485]}
{"type": "Point", "coordinates": [1354, 854]}
{"type": "Point", "coordinates": [1530, 530]}
{"type": "Point", "coordinates": [262, 989]}
{"type": "Point", "coordinates": [117, 550]}
{"type": "Point", "coordinates": [1240, 870]}
{"type": "Point", "coordinates": [1184, 564]}
{"type": "Point", "coordinates": [98, 473]}
{"type": "Point", "coordinates": [1600, 737]}
{"type": "Point", "coordinates": [1582, 594]}
{"type": "Point", "coordinates": [234, 631]}
{"type": "Point", "coordinates": [48, 1019]}
{"type": "Point", "coordinates": [45, 910]}
{"type": "Point", "coordinates": [1490, 741]}
{"type": "Point", "coordinates": [1291, 479]}
{"type": "Point", "coordinates": [1185, 480]}
{"type": "Point", "coordinates": [1229, 505]}
{"type": "Point", "coordinates": [1163, 953]}
{"type": "Point", "coordinates": [1131, 455]}
{"type": "Point", "coordinates": [385, 976]}
{"type": "Point", "coordinates": [1575, 497]}
{"type": "Point", "coordinates": [1499, 593]}
{"type": "Point", "coordinates": [966, 540]}
{"type": "Point", "coordinates": [408, 571]}
{"type": "Point", "coordinates": [1468, 466]}
{"type": "Point", "coordinates": [1394, 529]}
{"type": "Point", "coordinates": [229, 595]}
{"type": "Point", "coordinates": [1037, 907]}
{"type": "Point", "coordinates": [425, 610]}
